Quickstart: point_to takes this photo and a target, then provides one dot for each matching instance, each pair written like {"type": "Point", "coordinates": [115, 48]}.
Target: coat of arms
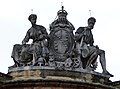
{"type": "Point", "coordinates": [61, 41]}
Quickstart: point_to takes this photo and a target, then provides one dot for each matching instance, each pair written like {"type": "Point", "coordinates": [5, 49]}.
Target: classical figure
{"type": "Point", "coordinates": [87, 51]}
{"type": "Point", "coordinates": [38, 48]}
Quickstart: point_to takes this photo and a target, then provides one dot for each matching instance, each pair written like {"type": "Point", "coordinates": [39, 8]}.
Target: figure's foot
{"type": "Point", "coordinates": [107, 73]}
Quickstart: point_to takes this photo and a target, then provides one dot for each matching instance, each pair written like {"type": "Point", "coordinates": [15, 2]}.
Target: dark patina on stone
{"type": "Point", "coordinates": [60, 55]}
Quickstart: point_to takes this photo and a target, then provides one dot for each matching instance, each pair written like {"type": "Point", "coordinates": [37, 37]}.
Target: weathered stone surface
{"type": "Point", "coordinates": [4, 77]}
{"type": "Point", "coordinates": [60, 49]}
{"type": "Point", "coordinates": [45, 73]}
{"type": "Point", "coordinates": [58, 60]}
{"type": "Point", "coordinates": [115, 84]}
{"type": "Point", "coordinates": [51, 84]}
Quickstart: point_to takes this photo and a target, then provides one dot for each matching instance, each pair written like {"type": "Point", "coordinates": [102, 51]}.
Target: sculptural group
{"type": "Point", "coordinates": [61, 49]}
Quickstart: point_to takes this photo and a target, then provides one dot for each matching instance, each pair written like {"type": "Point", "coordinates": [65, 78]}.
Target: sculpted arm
{"type": "Point", "coordinates": [44, 31]}
{"type": "Point", "coordinates": [79, 33]}
{"type": "Point", "coordinates": [27, 37]}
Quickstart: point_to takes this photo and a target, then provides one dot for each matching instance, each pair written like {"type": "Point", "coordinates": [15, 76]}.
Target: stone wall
{"type": "Point", "coordinates": [51, 84]}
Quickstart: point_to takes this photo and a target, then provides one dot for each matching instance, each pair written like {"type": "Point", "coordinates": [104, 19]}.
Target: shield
{"type": "Point", "coordinates": [61, 43]}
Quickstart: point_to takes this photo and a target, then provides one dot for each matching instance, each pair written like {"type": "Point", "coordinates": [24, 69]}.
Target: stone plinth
{"type": "Point", "coordinates": [50, 73]}
{"type": "Point", "coordinates": [50, 78]}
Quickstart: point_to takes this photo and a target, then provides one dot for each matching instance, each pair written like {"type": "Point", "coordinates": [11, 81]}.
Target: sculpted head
{"type": "Point", "coordinates": [32, 18]}
{"type": "Point", "coordinates": [91, 22]}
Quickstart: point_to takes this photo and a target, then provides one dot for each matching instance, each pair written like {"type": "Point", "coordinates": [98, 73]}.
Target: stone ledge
{"type": "Point", "coordinates": [81, 75]}
{"type": "Point", "coordinates": [17, 69]}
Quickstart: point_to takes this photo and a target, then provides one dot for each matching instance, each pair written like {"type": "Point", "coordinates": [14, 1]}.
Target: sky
{"type": "Point", "coordinates": [14, 25]}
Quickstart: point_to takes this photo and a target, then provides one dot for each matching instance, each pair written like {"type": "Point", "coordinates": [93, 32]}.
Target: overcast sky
{"type": "Point", "coordinates": [14, 25]}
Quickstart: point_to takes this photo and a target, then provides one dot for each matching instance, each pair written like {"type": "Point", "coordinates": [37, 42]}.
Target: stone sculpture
{"type": "Point", "coordinates": [88, 52]}
{"type": "Point", "coordinates": [31, 53]}
{"type": "Point", "coordinates": [60, 49]}
{"type": "Point", "coordinates": [61, 40]}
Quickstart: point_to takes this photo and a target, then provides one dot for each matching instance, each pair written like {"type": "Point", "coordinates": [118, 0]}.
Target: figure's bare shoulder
{"type": "Point", "coordinates": [40, 27]}
{"type": "Point", "coordinates": [79, 30]}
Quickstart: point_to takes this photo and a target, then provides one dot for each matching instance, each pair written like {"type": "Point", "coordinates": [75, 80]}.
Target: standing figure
{"type": "Point", "coordinates": [38, 47]}
{"type": "Point", "coordinates": [86, 50]}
